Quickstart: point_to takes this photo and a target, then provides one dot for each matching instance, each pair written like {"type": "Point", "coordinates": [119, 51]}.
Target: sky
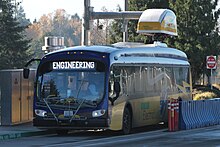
{"type": "Point", "coordinates": [34, 9]}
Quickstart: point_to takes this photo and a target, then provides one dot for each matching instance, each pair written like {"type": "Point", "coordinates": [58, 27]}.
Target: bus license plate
{"type": "Point", "coordinates": [68, 113]}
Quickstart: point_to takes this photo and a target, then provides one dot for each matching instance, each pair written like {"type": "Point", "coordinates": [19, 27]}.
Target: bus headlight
{"type": "Point", "coordinates": [98, 113]}
{"type": "Point", "coordinates": [41, 113]}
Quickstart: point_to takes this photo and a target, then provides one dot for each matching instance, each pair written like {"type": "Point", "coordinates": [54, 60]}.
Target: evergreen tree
{"type": "Point", "coordinates": [20, 16]}
{"type": "Point", "coordinates": [14, 46]}
{"type": "Point", "coordinates": [197, 32]}
{"type": "Point", "coordinates": [115, 33]}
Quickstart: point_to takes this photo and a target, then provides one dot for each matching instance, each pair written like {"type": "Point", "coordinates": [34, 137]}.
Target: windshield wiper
{"type": "Point", "coordinates": [77, 110]}
{"type": "Point", "coordinates": [51, 110]}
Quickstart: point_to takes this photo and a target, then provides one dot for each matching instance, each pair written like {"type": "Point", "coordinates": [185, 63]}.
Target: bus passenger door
{"type": "Point", "coordinates": [116, 105]}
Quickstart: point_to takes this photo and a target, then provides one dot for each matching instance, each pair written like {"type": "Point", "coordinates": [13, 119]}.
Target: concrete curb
{"type": "Point", "coordinates": [16, 135]}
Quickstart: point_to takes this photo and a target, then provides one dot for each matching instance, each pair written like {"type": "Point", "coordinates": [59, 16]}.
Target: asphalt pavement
{"type": "Point", "coordinates": [28, 130]}
{"type": "Point", "coordinates": [21, 130]}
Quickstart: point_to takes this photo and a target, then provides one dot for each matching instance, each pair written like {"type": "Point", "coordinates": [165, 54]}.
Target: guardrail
{"type": "Point", "coordinates": [200, 113]}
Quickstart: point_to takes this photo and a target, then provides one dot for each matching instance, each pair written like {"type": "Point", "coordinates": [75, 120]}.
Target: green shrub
{"type": "Point", "coordinates": [204, 95]}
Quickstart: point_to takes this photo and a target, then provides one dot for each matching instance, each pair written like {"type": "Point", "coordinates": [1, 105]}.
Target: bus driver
{"type": "Point", "coordinates": [93, 90]}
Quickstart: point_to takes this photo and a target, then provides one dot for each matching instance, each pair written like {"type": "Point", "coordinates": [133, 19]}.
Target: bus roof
{"type": "Point", "coordinates": [96, 48]}
{"type": "Point", "coordinates": [126, 52]}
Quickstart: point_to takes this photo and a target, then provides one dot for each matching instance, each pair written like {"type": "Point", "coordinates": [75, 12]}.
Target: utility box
{"type": "Point", "coordinates": [16, 97]}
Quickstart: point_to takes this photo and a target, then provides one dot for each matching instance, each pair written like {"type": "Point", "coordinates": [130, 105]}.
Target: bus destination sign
{"type": "Point", "coordinates": [73, 65]}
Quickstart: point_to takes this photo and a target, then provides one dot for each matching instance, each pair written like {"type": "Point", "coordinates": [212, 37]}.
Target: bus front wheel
{"type": "Point", "coordinates": [127, 123]}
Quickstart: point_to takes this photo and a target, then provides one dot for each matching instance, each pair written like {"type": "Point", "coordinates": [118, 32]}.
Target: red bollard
{"type": "Point", "coordinates": [172, 115]}
{"type": "Point", "coordinates": [169, 116]}
{"type": "Point", "coordinates": [176, 115]}
{"type": "Point", "coordinates": [171, 120]}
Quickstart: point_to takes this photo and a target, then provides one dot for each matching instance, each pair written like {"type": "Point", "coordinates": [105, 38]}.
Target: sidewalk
{"type": "Point", "coordinates": [20, 130]}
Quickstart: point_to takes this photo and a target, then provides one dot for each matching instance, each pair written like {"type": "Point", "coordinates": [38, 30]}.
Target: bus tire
{"type": "Point", "coordinates": [62, 132]}
{"type": "Point", "coordinates": [127, 121]}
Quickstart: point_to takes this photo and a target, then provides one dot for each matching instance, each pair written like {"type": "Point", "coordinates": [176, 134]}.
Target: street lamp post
{"type": "Point", "coordinates": [0, 6]}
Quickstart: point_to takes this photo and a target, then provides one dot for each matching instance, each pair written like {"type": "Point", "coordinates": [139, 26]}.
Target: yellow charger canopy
{"type": "Point", "coordinates": [153, 21]}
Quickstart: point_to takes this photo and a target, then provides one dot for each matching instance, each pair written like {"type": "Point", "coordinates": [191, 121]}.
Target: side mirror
{"type": "Point", "coordinates": [35, 84]}
{"type": "Point", "coordinates": [26, 72]}
{"type": "Point", "coordinates": [117, 87]}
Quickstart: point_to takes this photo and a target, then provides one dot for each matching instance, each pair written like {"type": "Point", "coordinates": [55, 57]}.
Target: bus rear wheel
{"type": "Point", "coordinates": [127, 123]}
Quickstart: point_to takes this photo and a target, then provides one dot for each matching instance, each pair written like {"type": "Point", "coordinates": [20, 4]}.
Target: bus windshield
{"type": "Point", "coordinates": [71, 85]}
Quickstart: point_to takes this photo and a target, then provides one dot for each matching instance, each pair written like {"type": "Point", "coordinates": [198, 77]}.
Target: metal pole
{"type": "Point", "coordinates": [125, 25]}
{"type": "Point", "coordinates": [116, 15]}
{"type": "Point", "coordinates": [0, 4]}
{"type": "Point", "coordinates": [211, 78]}
{"type": "Point", "coordinates": [85, 25]}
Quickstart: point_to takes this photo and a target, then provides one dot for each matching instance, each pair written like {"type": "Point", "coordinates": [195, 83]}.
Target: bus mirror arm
{"type": "Point", "coordinates": [35, 84]}
{"type": "Point", "coordinates": [26, 70]}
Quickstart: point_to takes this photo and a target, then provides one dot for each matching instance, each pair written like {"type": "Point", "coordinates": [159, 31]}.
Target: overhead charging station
{"type": "Point", "coordinates": [157, 21]}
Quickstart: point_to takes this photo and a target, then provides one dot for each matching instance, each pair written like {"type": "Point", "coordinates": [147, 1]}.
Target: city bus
{"type": "Point", "coordinates": [116, 87]}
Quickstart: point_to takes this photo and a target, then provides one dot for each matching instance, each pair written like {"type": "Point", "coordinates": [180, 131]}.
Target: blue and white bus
{"type": "Point", "coordinates": [116, 87]}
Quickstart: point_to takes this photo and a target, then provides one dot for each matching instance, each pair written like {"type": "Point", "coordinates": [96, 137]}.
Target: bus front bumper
{"type": "Point", "coordinates": [94, 123]}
